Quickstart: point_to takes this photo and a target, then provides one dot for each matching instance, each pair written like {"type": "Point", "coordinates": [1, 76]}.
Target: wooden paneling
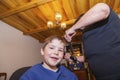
{"type": "Point", "coordinates": [31, 16]}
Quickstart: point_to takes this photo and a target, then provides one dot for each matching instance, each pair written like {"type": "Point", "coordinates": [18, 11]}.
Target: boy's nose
{"type": "Point", "coordinates": [56, 52]}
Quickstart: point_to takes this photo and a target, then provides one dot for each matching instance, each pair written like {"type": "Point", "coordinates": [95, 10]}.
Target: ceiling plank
{"type": "Point", "coordinates": [32, 14]}
{"type": "Point", "coordinates": [23, 8]}
{"type": "Point", "coordinates": [116, 5]}
{"type": "Point", "coordinates": [28, 19]}
{"type": "Point", "coordinates": [49, 13]}
{"type": "Point", "coordinates": [35, 30]}
{"type": "Point", "coordinates": [67, 8]}
{"type": "Point", "coordinates": [9, 4]}
{"type": "Point", "coordinates": [12, 21]}
{"type": "Point", "coordinates": [39, 14]}
{"type": "Point", "coordinates": [82, 8]}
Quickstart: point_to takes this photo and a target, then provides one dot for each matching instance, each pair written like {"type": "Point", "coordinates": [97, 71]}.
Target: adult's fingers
{"type": "Point", "coordinates": [67, 38]}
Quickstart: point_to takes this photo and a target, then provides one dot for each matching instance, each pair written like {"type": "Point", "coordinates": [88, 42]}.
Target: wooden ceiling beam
{"type": "Point", "coordinates": [32, 31]}
{"type": "Point", "coordinates": [23, 8]}
{"type": "Point", "coordinates": [70, 22]}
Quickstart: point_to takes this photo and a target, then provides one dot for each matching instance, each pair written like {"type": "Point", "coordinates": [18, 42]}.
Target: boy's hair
{"type": "Point", "coordinates": [49, 39]}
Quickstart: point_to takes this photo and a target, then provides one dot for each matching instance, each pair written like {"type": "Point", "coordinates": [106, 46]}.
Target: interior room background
{"type": "Point", "coordinates": [17, 50]}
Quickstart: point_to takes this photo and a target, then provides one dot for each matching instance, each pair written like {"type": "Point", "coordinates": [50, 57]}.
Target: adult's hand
{"type": "Point", "coordinates": [69, 34]}
{"type": "Point", "coordinates": [67, 57]}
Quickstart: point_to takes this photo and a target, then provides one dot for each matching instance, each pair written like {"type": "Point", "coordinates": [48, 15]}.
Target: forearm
{"type": "Point", "coordinates": [95, 14]}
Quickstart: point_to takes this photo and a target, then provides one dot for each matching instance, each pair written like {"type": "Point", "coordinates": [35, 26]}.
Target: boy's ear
{"type": "Point", "coordinates": [42, 52]}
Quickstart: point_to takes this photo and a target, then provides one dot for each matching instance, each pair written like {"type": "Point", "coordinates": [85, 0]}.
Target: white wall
{"type": "Point", "coordinates": [119, 15]}
{"type": "Point", "coordinates": [16, 49]}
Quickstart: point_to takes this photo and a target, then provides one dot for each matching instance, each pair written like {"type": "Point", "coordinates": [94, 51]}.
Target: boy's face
{"type": "Point", "coordinates": [53, 53]}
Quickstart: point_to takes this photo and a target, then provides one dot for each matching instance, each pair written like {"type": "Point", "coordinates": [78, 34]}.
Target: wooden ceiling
{"type": "Point", "coordinates": [31, 16]}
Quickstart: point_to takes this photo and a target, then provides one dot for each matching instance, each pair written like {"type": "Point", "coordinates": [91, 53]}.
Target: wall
{"type": "Point", "coordinates": [16, 49]}
{"type": "Point", "coordinates": [119, 15]}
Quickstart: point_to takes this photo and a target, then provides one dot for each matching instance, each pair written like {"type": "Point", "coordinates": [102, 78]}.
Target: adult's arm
{"type": "Point", "coordinates": [97, 13]}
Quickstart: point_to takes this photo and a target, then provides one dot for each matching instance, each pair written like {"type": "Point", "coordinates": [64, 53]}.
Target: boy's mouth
{"type": "Point", "coordinates": [54, 58]}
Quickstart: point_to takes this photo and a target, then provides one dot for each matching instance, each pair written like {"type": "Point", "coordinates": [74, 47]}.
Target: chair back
{"type": "Point", "coordinates": [18, 73]}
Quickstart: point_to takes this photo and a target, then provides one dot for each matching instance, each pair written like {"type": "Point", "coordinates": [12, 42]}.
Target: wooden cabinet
{"type": "Point", "coordinates": [82, 74]}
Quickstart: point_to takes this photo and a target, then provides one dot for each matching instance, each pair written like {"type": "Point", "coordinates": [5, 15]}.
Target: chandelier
{"type": "Point", "coordinates": [57, 23]}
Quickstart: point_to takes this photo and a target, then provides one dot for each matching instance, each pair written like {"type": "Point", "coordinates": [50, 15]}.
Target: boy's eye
{"type": "Point", "coordinates": [61, 50]}
{"type": "Point", "coordinates": [51, 47]}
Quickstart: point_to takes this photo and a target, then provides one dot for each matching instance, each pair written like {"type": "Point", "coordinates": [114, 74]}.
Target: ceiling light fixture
{"type": "Point", "coordinates": [58, 22]}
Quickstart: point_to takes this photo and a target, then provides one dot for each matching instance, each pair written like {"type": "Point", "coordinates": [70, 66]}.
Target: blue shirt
{"type": "Point", "coordinates": [38, 72]}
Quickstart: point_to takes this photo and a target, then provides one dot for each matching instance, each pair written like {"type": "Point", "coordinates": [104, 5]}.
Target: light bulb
{"type": "Point", "coordinates": [50, 24]}
{"type": "Point", "coordinates": [63, 25]}
{"type": "Point", "coordinates": [58, 17]}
